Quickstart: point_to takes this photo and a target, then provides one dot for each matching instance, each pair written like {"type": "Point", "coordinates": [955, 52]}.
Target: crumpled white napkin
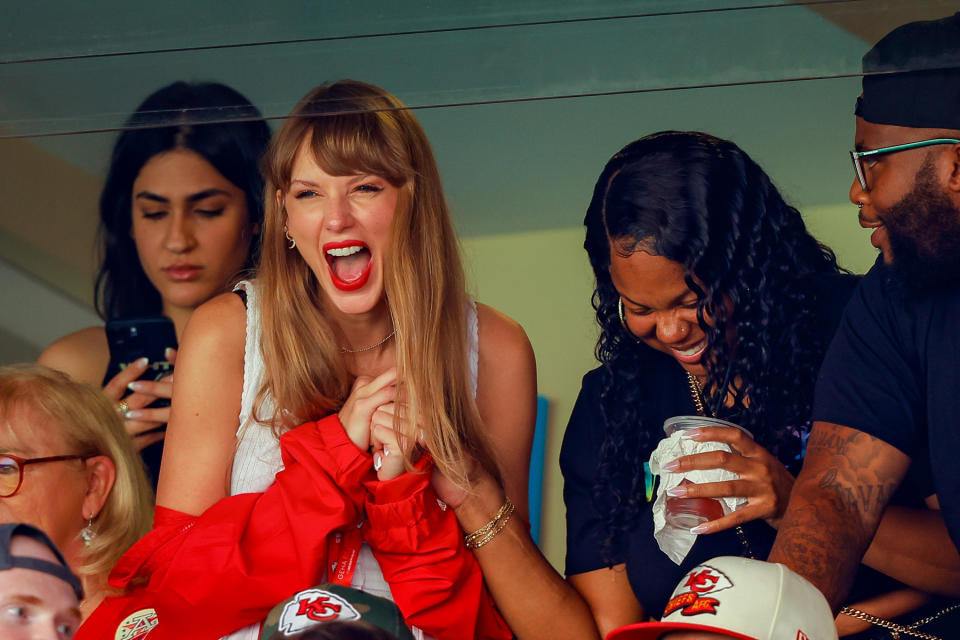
{"type": "Point", "coordinates": [673, 541]}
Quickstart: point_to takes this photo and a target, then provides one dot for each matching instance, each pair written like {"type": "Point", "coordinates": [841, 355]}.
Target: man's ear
{"type": "Point", "coordinates": [953, 180]}
{"type": "Point", "coordinates": [101, 474]}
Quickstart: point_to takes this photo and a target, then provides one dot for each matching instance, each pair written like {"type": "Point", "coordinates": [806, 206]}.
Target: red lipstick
{"type": "Point", "coordinates": [334, 250]}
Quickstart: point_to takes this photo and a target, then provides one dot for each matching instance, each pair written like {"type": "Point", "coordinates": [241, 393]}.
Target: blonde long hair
{"type": "Point", "coordinates": [354, 127]}
{"type": "Point", "coordinates": [89, 425]}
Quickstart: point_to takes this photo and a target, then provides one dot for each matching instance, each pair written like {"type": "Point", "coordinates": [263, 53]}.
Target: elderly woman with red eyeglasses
{"type": "Point", "coordinates": [68, 467]}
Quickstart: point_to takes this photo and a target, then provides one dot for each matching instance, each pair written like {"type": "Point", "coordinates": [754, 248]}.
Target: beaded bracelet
{"type": "Point", "coordinates": [489, 531]}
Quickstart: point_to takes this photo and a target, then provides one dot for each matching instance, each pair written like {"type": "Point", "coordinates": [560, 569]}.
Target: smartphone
{"type": "Point", "coordinates": [133, 338]}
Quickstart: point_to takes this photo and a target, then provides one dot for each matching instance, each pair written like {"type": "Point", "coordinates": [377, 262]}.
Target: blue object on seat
{"type": "Point", "coordinates": [537, 455]}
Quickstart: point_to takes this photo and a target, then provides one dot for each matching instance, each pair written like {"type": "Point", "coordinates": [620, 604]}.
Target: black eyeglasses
{"type": "Point", "coordinates": [11, 470]}
{"type": "Point", "coordinates": [856, 156]}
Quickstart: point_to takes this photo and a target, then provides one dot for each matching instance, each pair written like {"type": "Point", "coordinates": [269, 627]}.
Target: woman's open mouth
{"type": "Point", "coordinates": [692, 354]}
{"type": "Point", "coordinates": [349, 262]}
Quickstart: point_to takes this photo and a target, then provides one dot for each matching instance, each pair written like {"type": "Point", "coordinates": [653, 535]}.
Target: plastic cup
{"type": "Point", "coordinates": [686, 513]}
{"type": "Point", "coordinates": [685, 423]}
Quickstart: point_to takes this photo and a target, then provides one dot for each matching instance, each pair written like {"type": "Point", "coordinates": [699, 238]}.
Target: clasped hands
{"type": "Point", "coordinates": [764, 482]}
{"type": "Point", "coordinates": [369, 415]}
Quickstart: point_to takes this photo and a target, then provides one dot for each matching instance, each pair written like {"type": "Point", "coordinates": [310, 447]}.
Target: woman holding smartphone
{"type": "Point", "coordinates": [179, 218]}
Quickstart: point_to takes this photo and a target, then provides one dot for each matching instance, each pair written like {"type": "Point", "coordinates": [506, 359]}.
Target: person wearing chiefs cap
{"type": "Point", "coordinates": [730, 597]}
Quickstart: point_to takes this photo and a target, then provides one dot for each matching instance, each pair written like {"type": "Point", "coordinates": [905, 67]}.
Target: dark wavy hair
{"type": "Point", "coordinates": [208, 118]}
{"type": "Point", "coordinates": [702, 202]}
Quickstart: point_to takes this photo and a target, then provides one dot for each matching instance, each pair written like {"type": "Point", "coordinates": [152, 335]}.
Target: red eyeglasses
{"type": "Point", "coordinates": [11, 470]}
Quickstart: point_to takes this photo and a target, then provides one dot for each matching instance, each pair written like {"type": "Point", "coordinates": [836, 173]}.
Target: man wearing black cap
{"type": "Point", "coordinates": [39, 597]}
{"type": "Point", "coordinates": [888, 396]}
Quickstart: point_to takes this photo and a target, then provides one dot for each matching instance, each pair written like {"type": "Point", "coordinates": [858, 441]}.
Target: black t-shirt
{"type": "Point", "coordinates": [665, 393]}
{"type": "Point", "coordinates": [893, 371]}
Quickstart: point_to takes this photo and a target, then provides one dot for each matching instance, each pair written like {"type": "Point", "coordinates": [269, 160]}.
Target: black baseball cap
{"type": "Point", "coordinates": [912, 76]}
{"type": "Point", "coordinates": [8, 561]}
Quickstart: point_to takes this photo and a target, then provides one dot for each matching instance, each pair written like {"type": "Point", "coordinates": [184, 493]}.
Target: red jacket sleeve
{"type": "Point", "coordinates": [225, 569]}
{"type": "Point", "coordinates": [435, 581]}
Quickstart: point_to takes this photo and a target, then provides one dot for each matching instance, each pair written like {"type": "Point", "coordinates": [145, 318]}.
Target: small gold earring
{"type": "Point", "coordinates": [293, 243]}
{"type": "Point", "coordinates": [623, 321]}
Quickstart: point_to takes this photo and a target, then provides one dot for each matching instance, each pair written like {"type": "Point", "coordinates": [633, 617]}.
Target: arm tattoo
{"type": "Point", "coordinates": [831, 442]}
{"type": "Point", "coordinates": [865, 498]}
{"type": "Point", "coordinates": [836, 505]}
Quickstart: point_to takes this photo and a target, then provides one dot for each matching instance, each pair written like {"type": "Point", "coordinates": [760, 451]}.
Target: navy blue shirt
{"type": "Point", "coordinates": [893, 371]}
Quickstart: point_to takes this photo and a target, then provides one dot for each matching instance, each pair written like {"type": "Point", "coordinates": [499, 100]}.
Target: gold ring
{"type": "Point", "coordinates": [122, 408]}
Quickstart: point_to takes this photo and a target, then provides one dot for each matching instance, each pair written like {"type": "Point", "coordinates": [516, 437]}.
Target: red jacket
{"type": "Point", "coordinates": [212, 574]}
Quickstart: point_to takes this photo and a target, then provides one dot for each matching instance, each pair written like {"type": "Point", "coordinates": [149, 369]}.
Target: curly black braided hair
{"type": "Point", "coordinates": [702, 202]}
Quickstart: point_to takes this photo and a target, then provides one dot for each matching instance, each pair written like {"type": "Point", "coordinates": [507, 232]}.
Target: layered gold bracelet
{"type": "Point", "coordinates": [489, 531]}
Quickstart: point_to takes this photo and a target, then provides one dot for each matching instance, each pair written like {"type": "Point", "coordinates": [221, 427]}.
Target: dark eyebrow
{"type": "Point", "coordinates": [146, 195]}
{"type": "Point", "coordinates": [206, 193]}
{"type": "Point", "coordinates": [676, 298]}
{"type": "Point", "coordinates": [193, 197]}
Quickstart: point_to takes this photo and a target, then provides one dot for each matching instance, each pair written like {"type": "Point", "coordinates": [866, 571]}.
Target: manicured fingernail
{"type": "Point", "coordinates": [377, 462]}
{"type": "Point", "coordinates": [168, 353]}
{"type": "Point", "coordinates": [386, 452]}
{"type": "Point", "coordinates": [700, 528]}
{"type": "Point", "coordinates": [692, 434]}
{"type": "Point", "coordinates": [672, 465]}
{"type": "Point", "coordinates": [133, 414]}
{"type": "Point", "coordinates": [678, 491]}
{"type": "Point", "coordinates": [134, 386]}
{"type": "Point", "coordinates": [144, 361]}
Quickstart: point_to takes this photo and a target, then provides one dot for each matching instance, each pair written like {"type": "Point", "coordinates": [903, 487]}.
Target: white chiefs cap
{"type": "Point", "coordinates": [741, 598]}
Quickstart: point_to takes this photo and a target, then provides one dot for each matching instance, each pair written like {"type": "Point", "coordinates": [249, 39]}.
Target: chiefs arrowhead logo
{"type": "Point", "coordinates": [137, 625]}
{"type": "Point", "coordinates": [312, 607]}
{"type": "Point", "coordinates": [691, 601]}
{"type": "Point", "coordinates": [801, 635]}
{"type": "Point", "coordinates": [706, 579]}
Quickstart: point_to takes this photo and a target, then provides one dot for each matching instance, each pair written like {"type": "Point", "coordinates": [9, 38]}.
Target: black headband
{"type": "Point", "coordinates": [8, 561]}
{"type": "Point", "coordinates": [912, 76]}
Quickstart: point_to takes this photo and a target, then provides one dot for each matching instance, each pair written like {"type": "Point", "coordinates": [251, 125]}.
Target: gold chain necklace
{"type": "Point", "coordinates": [897, 628]}
{"type": "Point", "coordinates": [372, 346]}
{"type": "Point", "coordinates": [696, 392]}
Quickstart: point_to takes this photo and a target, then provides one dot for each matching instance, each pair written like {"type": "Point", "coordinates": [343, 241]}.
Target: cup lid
{"type": "Point", "coordinates": [682, 423]}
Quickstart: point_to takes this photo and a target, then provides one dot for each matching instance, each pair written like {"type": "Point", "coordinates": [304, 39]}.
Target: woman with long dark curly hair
{"type": "Point", "coordinates": [712, 298]}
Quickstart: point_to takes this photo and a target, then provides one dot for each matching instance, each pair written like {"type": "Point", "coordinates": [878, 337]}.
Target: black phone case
{"type": "Point", "coordinates": [133, 338]}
